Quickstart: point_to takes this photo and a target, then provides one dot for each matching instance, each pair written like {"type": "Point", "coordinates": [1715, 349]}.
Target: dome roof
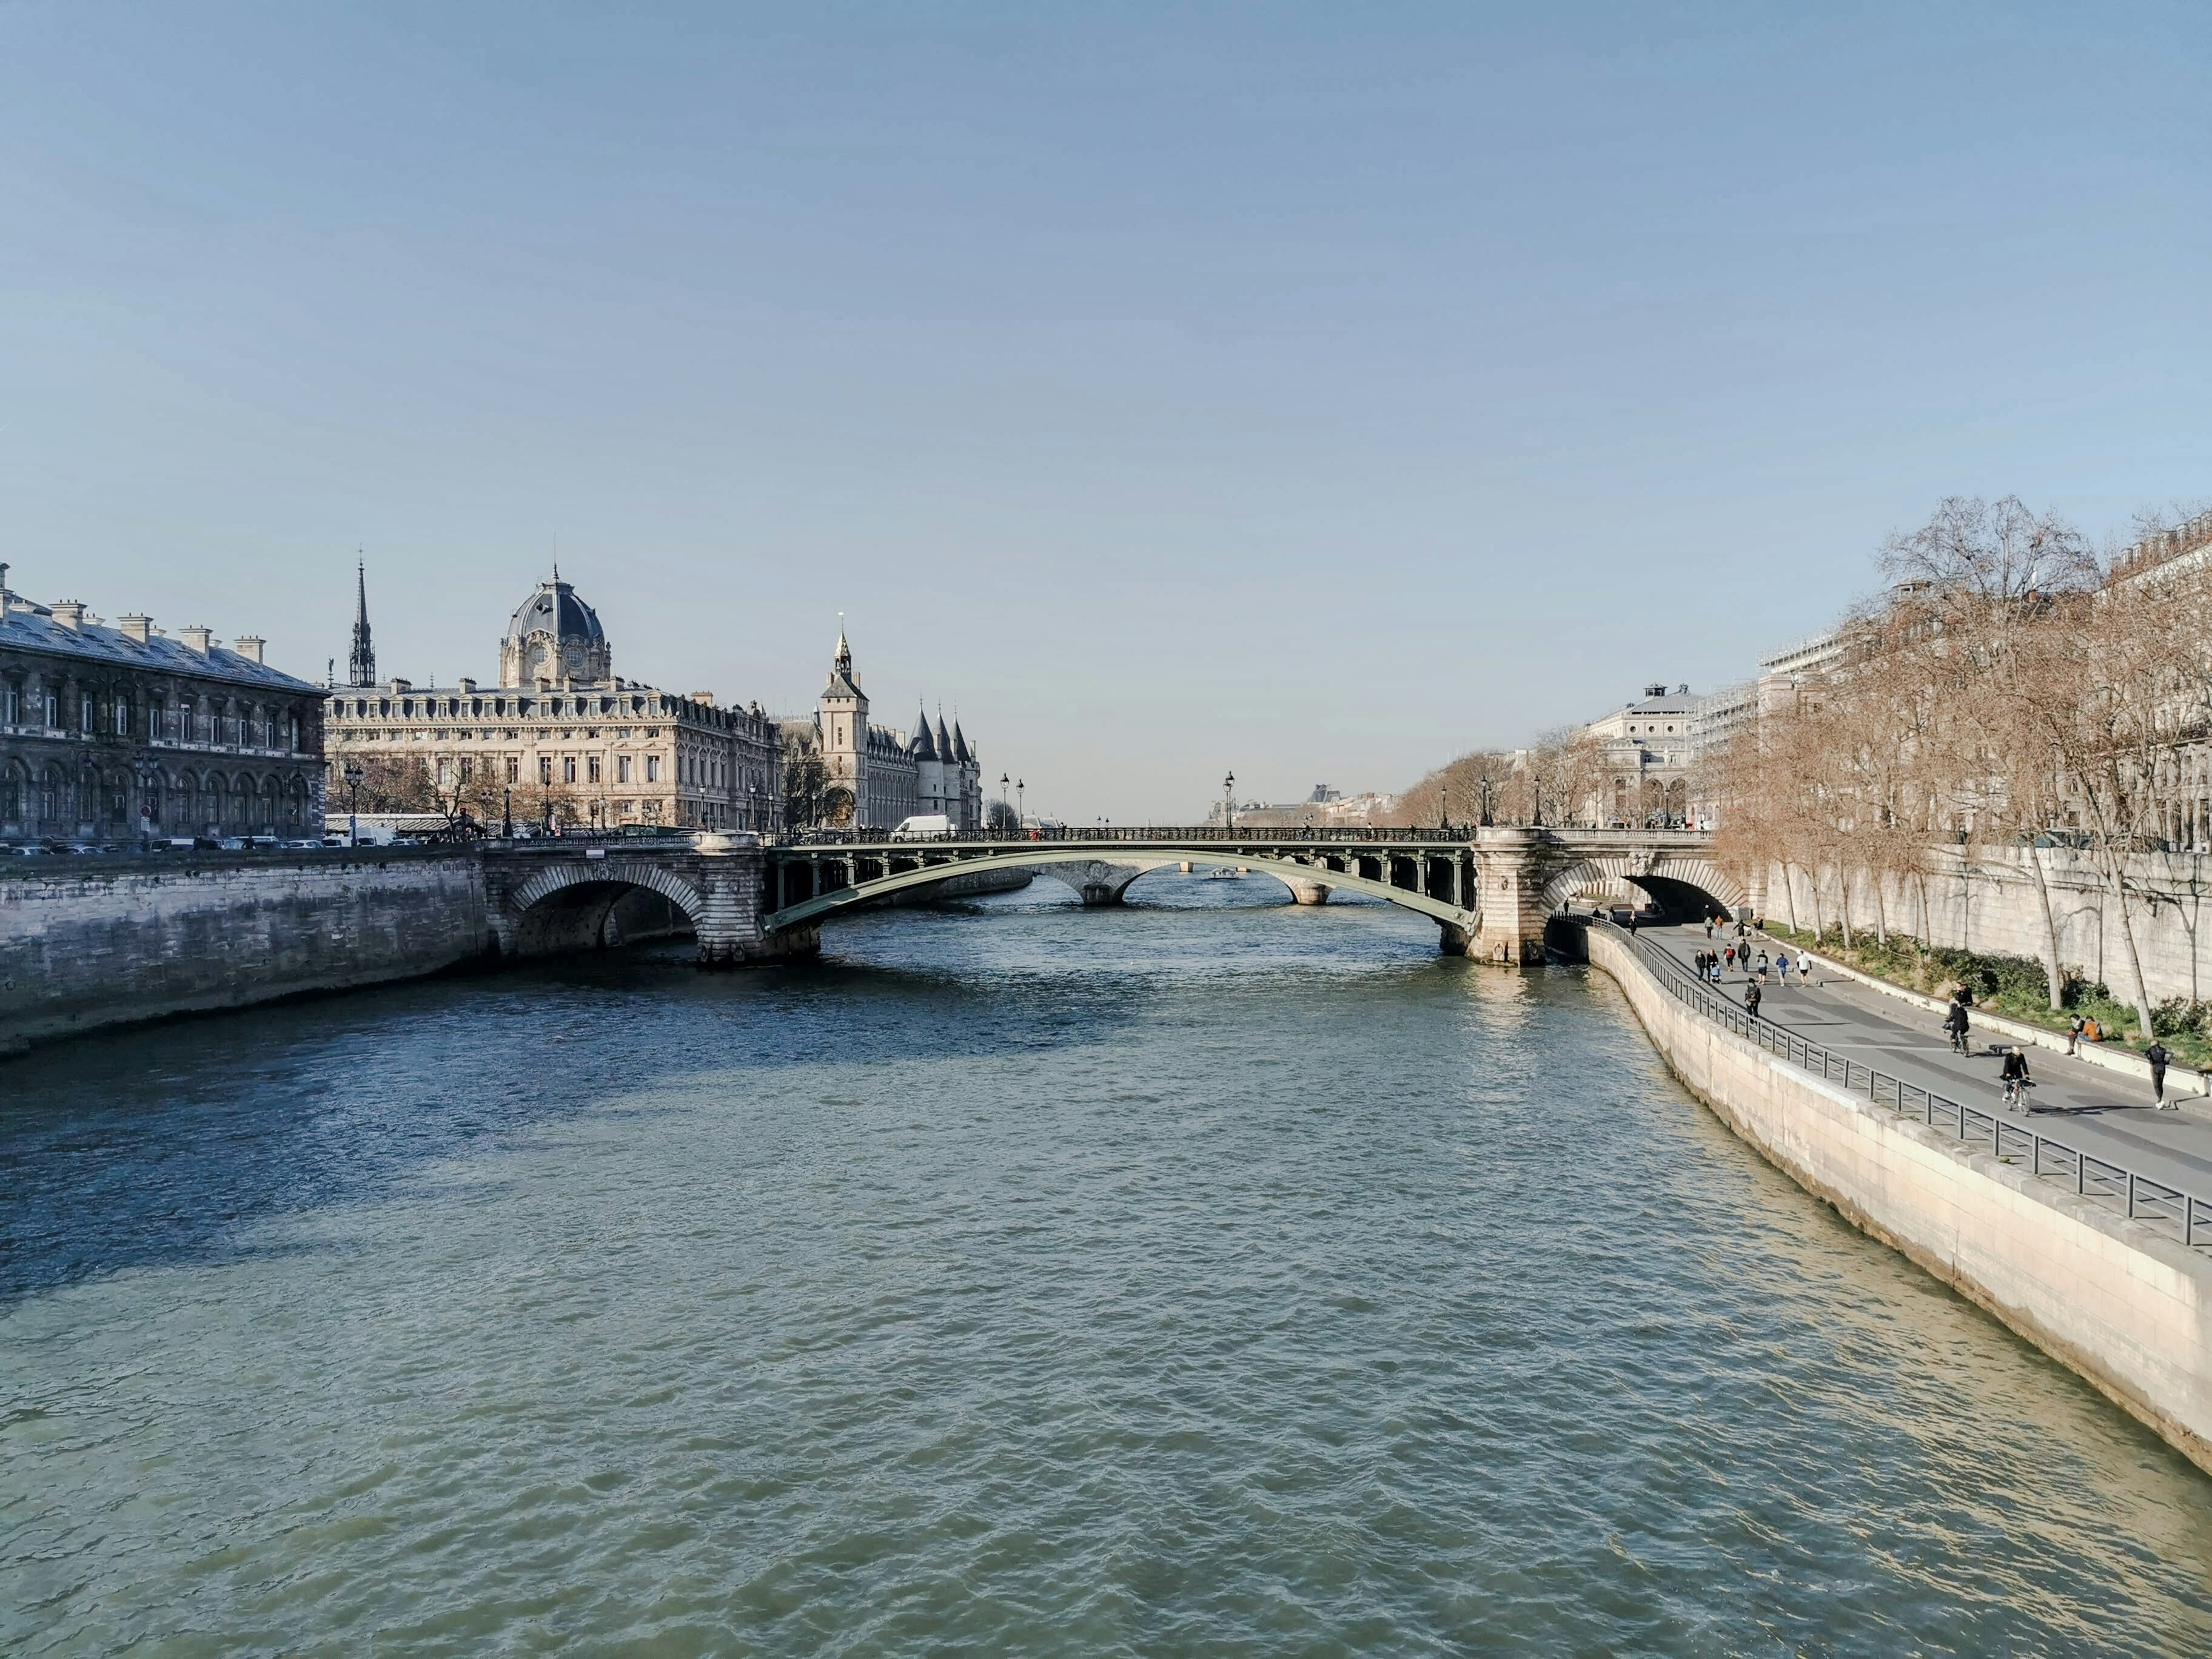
{"type": "Point", "coordinates": [554, 608]}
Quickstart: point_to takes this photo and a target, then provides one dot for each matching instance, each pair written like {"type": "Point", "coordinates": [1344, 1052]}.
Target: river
{"type": "Point", "coordinates": [1209, 1276]}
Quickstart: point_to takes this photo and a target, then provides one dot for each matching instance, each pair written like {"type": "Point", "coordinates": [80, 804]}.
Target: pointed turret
{"type": "Point", "coordinates": [943, 738]}
{"type": "Point", "coordinates": [922, 747]}
{"type": "Point", "coordinates": [361, 665]}
{"type": "Point", "coordinates": [960, 750]}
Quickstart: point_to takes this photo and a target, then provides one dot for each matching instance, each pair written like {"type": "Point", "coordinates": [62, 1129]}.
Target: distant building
{"type": "Point", "coordinates": [561, 737]}
{"type": "Point", "coordinates": [122, 734]}
{"type": "Point", "coordinates": [1324, 808]}
{"type": "Point", "coordinates": [876, 777]}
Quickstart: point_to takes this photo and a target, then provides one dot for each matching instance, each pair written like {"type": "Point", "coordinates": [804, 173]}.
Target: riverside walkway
{"type": "Point", "coordinates": [2105, 1114]}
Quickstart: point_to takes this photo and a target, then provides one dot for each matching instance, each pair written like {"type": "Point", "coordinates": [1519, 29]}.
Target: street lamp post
{"type": "Point", "coordinates": [1021, 808]}
{"type": "Point", "coordinates": [506, 817]}
{"type": "Point", "coordinates": [1229, 802]}
{"type": "Point", "coordinates": [1002, 782]}
{"type": "Point", "coordinates": [1486, 800]}
{"type": "Point", "coordinates": [353, 776]}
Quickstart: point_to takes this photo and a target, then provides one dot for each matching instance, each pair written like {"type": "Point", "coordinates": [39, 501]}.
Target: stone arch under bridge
{"type": "Point", "coordinates": [1430, 881]}
{"type": "Point", "coordinates": [1655, 875]}
{"type": "Point", "coordinates": [590, 905]}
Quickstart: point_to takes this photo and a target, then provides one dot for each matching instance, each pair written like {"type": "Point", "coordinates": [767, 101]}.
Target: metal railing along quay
{"type": "Point", "coordinates": [2143, 1198]}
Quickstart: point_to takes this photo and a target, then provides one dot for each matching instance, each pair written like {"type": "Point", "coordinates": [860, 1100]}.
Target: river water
{"type": "Point", "coordinates": [1209, 1276]}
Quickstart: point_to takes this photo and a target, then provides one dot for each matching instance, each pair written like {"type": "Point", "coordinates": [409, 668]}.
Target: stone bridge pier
{"type": "Point", "coordinates": [549, 897]}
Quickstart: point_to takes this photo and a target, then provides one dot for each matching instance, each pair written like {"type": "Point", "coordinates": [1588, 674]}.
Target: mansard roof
{"type": "Point", "coordinates": [110, 647]}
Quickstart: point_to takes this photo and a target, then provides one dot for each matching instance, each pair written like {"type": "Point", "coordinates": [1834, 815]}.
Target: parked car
{"type": "Point", "coordinates": [27, 851]}
{"type": "Point", "coordinates": [82, 848]}
{"type": "Point", "coordinates": [262, 843]}
{"type": "Point", "coordinates": [231, 844]}
{"type": "Point", "coordinates": [303, 843]}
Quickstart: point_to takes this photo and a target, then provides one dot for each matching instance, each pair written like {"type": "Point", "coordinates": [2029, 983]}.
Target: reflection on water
{"type": "Point", "coordinates": [1193, 1278]}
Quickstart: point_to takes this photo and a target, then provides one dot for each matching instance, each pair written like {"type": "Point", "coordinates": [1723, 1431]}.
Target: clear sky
{"type": "Point", "coordinates": [1317, 390]}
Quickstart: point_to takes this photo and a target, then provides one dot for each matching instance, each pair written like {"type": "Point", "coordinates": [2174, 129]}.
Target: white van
{"type": "Point", "coordinates": [928, 826]}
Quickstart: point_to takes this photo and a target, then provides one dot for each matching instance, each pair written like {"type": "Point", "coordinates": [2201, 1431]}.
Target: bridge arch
{"type": "Point", "coordinates": [589, 906]}
{"type": "Point", "coordinates": [1041, 859]}
{"type": "Point", "coordinates": [1665, 878]}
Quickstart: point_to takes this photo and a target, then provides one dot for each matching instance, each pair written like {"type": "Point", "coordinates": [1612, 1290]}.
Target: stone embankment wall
{"type": "Point", "coordinates": [2122, 1304]}
{"type": "Point", "coordinates": [89, 942]}
{"type": "Point", "coordinates": [1984, 899]}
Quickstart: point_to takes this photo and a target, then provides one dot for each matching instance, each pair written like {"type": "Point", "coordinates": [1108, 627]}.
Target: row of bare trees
{"type": "Point", "coordinates": [466, 795]}
{"type": "Point", "coordinates": [2009, 689]}
{"type": "Point", "coordinates": [1560, 780]}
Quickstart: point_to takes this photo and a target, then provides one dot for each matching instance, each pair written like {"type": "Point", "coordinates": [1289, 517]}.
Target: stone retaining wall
{"type": "Point", "coordinates": [90, 942]}
{"type": "Point", "coordinates": [2119, 1303]}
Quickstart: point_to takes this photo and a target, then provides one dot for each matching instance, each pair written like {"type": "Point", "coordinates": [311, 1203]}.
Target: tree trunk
{"type": "Point", "coordinates": [1790, 893]}
{"type": "Point", "coordinates": [1880, 916]}
{"type": "Point", "coordinates": [2051, 967]}
{"type": "Point", "coordinates": [2116, 883]}
{"type": "Point", "coordinates": [1844, 898]}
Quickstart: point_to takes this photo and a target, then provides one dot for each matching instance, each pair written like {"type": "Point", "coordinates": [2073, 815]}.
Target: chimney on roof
{"type": "Point", "coordinates": [468, 684]}
{"type": "Point", "coordinates": [69, 614]}
{"type": "Point", "coordinates": [136, 628]}
{"type": "Point", "coordinates": [704, 699]}
{"type": "Point", "coordinates": [197, 639]}
{"type": "Point", "coordinates": [248, 646]}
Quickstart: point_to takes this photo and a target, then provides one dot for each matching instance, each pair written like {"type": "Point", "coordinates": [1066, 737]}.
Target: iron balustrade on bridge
{"type": "Point", "coordinates": [2144, 1199]}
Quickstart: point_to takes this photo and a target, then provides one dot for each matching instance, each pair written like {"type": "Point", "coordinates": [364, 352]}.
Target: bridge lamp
{"type": "Point", "coordinates": [353, 774]}
{"type": "Point", "coordinates": [1229, 802]}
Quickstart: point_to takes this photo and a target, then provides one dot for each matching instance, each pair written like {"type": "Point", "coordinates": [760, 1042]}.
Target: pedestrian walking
{"type": "Point", "coordinates": [1631, 924]}
{"type": "Point", "coordinates": [1750, 1000]}
{"type": "Point", "coordinates": [2157, 1056]}
{"type": "Point", "coordinates": [2074, 1035]}
{"type": "Point", "coordinates": [1762, 967]}
{"type": "Point", "coordinates": [1709, 926]}
{"type": "Point", "coordinates": [1731, 955]}
{"type": "Point", "coordinates": [1804, 972]}
{"type": "Point", "coordinates": [1782, 964]}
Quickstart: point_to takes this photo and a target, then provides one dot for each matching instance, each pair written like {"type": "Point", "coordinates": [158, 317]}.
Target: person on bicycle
{"type": "Point", "coordinates": [1954, 1021]}
{"type": "Point", "coordinates": [2015, 1077]}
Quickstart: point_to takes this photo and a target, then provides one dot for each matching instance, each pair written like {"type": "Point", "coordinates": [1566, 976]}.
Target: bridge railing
{"type": "Point", "coordinates": [1175, 834]}
{"type": "Point", "coordinates": [1462, 835]}
{"type": "Point", "coordinates": [2166, 1206]}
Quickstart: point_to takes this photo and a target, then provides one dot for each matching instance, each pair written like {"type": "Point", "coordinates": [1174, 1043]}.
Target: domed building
{"type": "Point", "coordinates": [561, 740]}
{"type": "Point", "coordinates": [555, 639]}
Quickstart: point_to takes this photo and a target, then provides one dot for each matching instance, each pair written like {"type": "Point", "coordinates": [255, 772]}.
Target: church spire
{"type": "Point", "coordinates": [360, 666]}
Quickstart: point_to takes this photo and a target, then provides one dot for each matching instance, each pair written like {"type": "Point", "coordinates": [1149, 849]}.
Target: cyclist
{"type": "Point", "coordinates": [1954, 1021]}
{"type": "Point", "coordinates": [2016, 1078]}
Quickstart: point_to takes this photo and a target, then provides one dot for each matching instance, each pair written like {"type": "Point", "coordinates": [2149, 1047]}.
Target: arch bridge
{"type": "Point", "coordinates": [1490, 891]}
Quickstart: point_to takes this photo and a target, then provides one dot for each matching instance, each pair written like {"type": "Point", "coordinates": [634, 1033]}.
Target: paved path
{"type": "Point", "coordinates": [2103, 1113]}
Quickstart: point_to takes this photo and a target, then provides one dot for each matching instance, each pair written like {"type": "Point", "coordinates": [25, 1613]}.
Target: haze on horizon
{"type": "Point", "coordinates": [1315, 392]}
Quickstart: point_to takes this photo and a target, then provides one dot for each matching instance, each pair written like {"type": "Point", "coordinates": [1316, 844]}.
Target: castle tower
{"type": "Point", "coordinates": [842, 714]}
{"type": "Point", "coordinates": [360, 666]}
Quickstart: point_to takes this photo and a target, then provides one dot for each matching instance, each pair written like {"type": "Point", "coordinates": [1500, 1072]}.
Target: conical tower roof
{"type": "Point", "coordinates": [922, 747]}
{"type": "Point", "coordinates": [960, 751]}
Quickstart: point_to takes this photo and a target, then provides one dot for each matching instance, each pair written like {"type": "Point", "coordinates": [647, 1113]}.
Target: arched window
{"type": "Point", "coordinates": [14, 793]}
{"type": "Point", "coordinates": [53, 798]}
{"type": "Point", "coordinates": [185, 806]}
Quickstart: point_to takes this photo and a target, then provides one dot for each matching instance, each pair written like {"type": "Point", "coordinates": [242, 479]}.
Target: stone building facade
{"type": "Point", "coordinates": [874, 777]}
{"type": "Point", "coordinates": [116, 734]}
{"type": "Point", "coordinates": [561, 737]}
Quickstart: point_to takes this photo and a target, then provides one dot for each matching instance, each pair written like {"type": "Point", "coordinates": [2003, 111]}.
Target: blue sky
{"type": "Point", "coordinates": [1315, 391]}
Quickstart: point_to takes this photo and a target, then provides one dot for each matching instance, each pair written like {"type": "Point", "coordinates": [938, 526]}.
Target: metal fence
{"type": "Point", "coordinates": [2144, 1199]}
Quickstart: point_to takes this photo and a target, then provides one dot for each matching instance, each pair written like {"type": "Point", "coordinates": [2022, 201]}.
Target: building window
{"type": "Point", "coordinates": [622, 769]}
{"type": "Point", "coordinates": [545, 768]}
{"type": "Point", "coordinates": [468, 768]}
{"type": "Point", "coordinates": [84, 713]}
{"type": "Point", "coordinates": [652, 768]}
{"type": "Point", "coordinates": [591, 770]}
{"type": "Point", "coordinates": [122, 717]}
{"type": "Point", "coordinates": [568, 768]}
{"type": "Point", "coordinates": [11, 699]}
